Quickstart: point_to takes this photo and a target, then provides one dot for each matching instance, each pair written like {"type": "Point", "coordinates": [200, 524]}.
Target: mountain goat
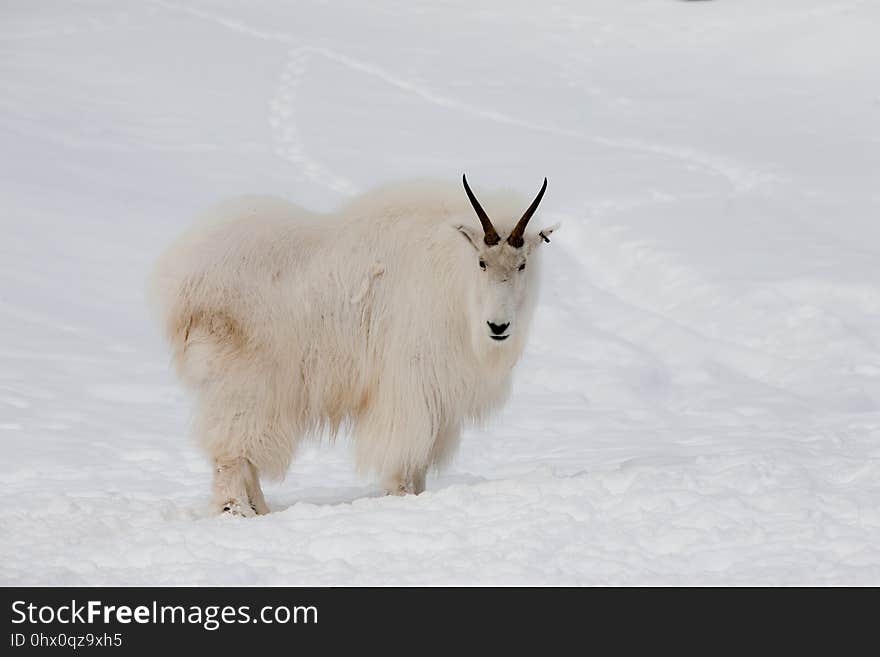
{"type": "Point", "coordinates": [398, 317]}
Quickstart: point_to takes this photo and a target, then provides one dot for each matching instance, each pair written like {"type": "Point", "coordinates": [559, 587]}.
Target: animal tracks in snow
{"type": "Point", "coordinates": [739, 175]}
{"type": "Point", "coordinates": [282, 120]}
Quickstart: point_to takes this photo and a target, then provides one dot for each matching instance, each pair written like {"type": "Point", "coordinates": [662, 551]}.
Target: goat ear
{"type": "Point", "coordinates": [473, 236]}
{"type": "Point", "coordinates": [542, 235]}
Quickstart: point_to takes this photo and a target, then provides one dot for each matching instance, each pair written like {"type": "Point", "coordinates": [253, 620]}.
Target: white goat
{"type": "Point", "coordinates": [398, 317]}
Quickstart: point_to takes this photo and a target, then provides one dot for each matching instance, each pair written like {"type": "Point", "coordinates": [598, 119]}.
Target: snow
{"type": "Point", "coordinates": [700, 399]}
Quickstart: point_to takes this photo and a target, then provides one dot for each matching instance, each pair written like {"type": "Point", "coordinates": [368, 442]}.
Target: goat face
{"type": "Point", "coordinates": [503, 279]}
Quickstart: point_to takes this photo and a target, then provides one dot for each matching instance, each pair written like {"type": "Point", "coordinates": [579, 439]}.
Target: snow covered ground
{"type": "Point", "coordinates": [700, 401]}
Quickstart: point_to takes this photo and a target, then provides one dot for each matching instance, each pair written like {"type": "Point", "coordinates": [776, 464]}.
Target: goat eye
{"type": "Point", "coordinates": [482, 264]}
{"type": "Point", "coordinates": [522, 266]}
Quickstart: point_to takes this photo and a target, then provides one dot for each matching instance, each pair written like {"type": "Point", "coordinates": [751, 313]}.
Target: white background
{"type": "Point", "coordinates": [700, 400]}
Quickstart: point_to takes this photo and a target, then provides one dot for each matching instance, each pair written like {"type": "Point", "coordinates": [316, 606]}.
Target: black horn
{"type": "Point", "coordinates": [490, 235]}
{"type": "Point", "coordinates": [516, 235]}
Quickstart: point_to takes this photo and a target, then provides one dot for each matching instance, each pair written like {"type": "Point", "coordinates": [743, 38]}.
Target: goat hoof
{"type": "Point", "coordinates": [236, 509]}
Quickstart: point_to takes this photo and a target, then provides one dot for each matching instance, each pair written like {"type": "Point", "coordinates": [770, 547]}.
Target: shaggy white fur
{"type": "Point", "coordinates": [286, 323]}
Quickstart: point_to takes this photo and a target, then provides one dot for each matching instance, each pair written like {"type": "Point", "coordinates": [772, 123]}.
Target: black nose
{"type": "Point", "coordinates": [498, 329]}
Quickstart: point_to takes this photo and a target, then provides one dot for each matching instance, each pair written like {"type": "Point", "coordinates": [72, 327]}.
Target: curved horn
{"type": "Point", "coordinates": [490, 235]}
{"type": "Point", "coordinates": [516, 235]}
